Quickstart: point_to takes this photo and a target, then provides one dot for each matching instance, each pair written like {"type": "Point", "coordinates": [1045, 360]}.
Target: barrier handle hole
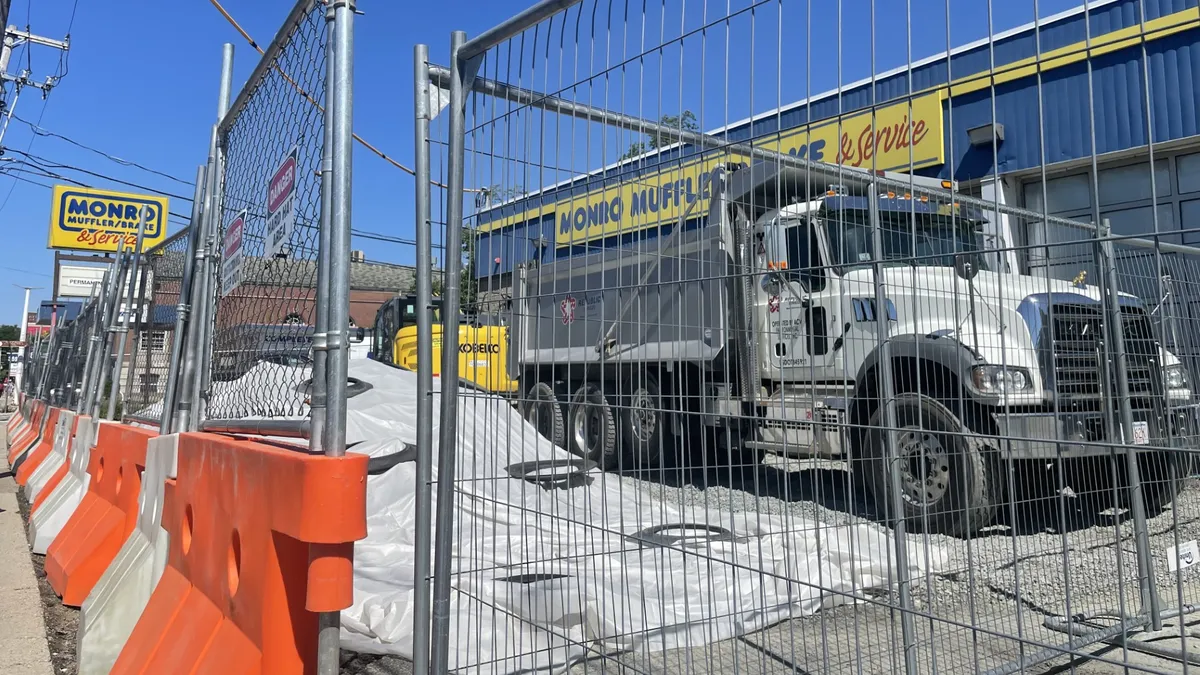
{"type": "Point", "coordinates": [235, 563]}
{"type": "Point", "coordinates": [120, 478]}
{"type": "Point", "coordinates": [100, 470]}
{"type": "Point", "coordinates": [185, 534]}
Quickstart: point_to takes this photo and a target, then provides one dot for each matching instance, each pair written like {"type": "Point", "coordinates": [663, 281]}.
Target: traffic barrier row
{"type": "Point", "coordinates": [190, 552]}
{"type": "Point", "coordinates": [27, 437]}
{"type": "Point", "coordinates": [35, 455]}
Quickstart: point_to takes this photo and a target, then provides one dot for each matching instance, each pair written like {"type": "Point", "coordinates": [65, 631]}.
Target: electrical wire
{"type": "Point", "coordinates": [27, 149]}
{"type": "Point", "coordinates": [40, 131]}
{"type": "Point", "coordinates": [238, 27]}
{"type": "Point", "coordinates": [362, 141]}
{"type": "Point", "coordinates": [50, 164]}
{"type": "Point", "coordinates": [64, 56]}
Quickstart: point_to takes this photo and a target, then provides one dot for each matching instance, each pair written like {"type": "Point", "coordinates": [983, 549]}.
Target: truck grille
{"type": "Point", "coordinates": [1077, 342]}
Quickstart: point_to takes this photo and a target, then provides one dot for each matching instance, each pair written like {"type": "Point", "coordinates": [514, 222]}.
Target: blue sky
{"type": "Point", "coordinates": [142, 80]}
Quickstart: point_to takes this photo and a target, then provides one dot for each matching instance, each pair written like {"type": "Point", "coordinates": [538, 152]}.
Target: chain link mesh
{"type": "Point", "coordinates": [153, 334]}
{"type": "Point", "coordinates": [262, 335]}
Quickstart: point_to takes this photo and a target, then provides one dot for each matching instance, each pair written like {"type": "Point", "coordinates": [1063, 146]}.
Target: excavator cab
{"type": "Point", "coordinates": [482, 349]}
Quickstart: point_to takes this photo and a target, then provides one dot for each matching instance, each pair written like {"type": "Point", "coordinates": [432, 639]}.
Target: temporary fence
{"type": "Point", "coordinates": [271, 201]}
{"type": "Point", "coordinates": [805, 386]}
{"type": "Point", "coordinates": [153, 333]}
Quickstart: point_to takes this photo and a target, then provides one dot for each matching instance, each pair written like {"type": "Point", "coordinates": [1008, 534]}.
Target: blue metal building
{"type": "Point", "coordinates": [1027, 90]}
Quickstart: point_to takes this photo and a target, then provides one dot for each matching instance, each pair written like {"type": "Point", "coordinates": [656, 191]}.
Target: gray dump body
{"type": "Point", "coordinates": [675, 298]}
{"type": "Point", "coordinates": [650, 307]}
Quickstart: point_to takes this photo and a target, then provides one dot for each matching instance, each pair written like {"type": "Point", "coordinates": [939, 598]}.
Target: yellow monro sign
{"type": "Point", "coordinates": [85, 219]}
{"type": "Point", "coordinates": [900, 136]}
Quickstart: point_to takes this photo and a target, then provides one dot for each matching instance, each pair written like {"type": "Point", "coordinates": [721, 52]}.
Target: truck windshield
{"type": "Point", "coordinates": [931, 243]}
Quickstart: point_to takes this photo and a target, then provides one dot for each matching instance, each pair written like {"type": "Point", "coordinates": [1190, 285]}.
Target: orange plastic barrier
{"type": "Point", "coordinates": [26, 438]}
{"type": "Point", "coordinates": [103, 520]}
{"type": "Point", "coordinates": [39, 452]}
{"type": "Point", "coordinates": [262, 538]}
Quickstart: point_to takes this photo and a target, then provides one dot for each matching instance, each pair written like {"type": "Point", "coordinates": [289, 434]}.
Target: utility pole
{"type": "Point", "coordinates": [13, 38]}
{"type": "Point", "coordinates": [24, 334]}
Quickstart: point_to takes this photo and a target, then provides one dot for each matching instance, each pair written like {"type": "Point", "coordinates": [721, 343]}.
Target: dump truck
{"type": "Point", "coordinates": [752, 323]}
{"type": "Point", "coordinates": [482, 344]}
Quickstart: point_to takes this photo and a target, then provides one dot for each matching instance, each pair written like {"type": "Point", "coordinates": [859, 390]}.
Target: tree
{"type": "Point", "coordinates": [685, 121]}
{"type": "Point", "coordinates": [10, 332]}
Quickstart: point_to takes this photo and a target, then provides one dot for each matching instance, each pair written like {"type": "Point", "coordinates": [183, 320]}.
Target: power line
{"type": "Point", "coordinates": [238, 27]}
{"type": "Point", "coordinates": [123, 162]}
{"type": "Point", "coordinates": [27, 149]}
{"type": "Point", "coordinates": [51, 164]}
{"type": "Point", "coordinates": [46, 173]}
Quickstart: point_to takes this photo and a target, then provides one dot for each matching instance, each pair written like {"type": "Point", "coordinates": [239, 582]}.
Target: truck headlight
{"type": "Point", "coordinates": [1001, 379]}
{"type": "Point", "coordinates": [1176, 377]}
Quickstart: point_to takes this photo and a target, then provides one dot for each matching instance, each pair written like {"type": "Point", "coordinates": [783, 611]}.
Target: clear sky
{"type": "Point", "coordinates": [141, 83]}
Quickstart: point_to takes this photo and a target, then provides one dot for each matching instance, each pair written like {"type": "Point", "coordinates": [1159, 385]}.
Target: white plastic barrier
{"type": "Point", "coordinates": [116, 602]}
{"type": "Point", "coordinates": [63, 433]}
{"type": "Point", "coordinates": [56, 510]}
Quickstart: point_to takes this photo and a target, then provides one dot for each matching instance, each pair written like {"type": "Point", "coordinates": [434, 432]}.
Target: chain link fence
{"type": "Point", "coordinates": [268, 242]}
{"type": "Point", "coordinates": [803, 384]}
{"type": "Point", "coordinates": [146, 372]}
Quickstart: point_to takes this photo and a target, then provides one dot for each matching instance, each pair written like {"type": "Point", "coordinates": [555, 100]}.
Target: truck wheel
{"type": "Point", "coordinates": [644, 435]}
{"type": "Point", "coordinates": [943, 474]}
{"type": "Point", "coordinates": [592, 431]}
{"type": "Point", "coordinates": [1154, 470]}
{"type": "Point", "coordinates": [542, 409]}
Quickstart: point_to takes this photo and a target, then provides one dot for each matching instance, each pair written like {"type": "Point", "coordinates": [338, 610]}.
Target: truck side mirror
{"type": "Point", "coordinates": [966, 265]}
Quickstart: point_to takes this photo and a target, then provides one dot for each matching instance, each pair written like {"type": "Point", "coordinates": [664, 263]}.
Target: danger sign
{"type": "Point", "coordinates": [281, 203]}
{"type": "Point", "coordinates": [231, 254]}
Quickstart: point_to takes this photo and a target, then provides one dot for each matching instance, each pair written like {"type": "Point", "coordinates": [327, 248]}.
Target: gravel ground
{"type": "Point", "coordinates": [1040, 561]}
{"type": "Point", "coordinates": [62, 622]}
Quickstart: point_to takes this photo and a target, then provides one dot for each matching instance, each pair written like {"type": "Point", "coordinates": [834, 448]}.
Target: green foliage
{"type": "Point", "coordinates": [685, 121]}
{"type": "Point", "coordinates": [10, 332]}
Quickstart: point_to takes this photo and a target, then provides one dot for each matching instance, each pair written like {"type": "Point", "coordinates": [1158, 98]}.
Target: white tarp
{"type": "Point", "coordinates": [599, 591]}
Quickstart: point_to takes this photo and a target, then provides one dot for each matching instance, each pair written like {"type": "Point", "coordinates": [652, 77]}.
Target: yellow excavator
{"type": "Point", "coordinates": [482, 348]}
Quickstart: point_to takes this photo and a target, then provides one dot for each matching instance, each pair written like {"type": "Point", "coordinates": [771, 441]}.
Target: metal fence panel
{"type": "Point", "coordinates": [805, 387]}
{"type": "Point", "coordinates": [154, 334]}
{"type": "Point", "coordinates": [269, 212]}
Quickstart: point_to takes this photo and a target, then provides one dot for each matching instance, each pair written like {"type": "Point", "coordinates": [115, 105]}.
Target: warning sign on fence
{"type": "Point", "coordinates": [281, 204]}
{"type": "Point", "coordinates": [232, 258]}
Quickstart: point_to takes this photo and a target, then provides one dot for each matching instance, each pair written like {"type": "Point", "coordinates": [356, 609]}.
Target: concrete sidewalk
{"type": "Point", "coordinates": [23, 649]}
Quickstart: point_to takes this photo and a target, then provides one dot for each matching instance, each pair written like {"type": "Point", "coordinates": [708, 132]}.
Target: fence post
{"type": "Point", "coordinates": [460, 72]}
{"type": "Point", "coordinates": [887, 400]}
{"type": "Point", "coordinates": [199, 339]}
{"type": "Point", "coordinates": [1116, 327]}
{"type": "Point", "coordinates": [109, 330]}
{"type": "Point", "coordinates": [145, 310]}
{"type": "Point", "coordinates": [424, 461]}
{"type": "Point", "coordinates": [212, 233]}
{"type": "Point", "coordinates": [183, 307]}
{"type": "Point", "coordinates": [135, 262]}
{"type": "Point", "coordinates": [319, 392]}
{"type": "Point", "coordinates": [339, 96]}
{"type": "Point", "coordinates": [92, 340]}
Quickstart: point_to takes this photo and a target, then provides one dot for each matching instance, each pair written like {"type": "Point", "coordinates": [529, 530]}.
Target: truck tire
{"type": "Point", "coordinates": [945, 486]}
{"type": "Point", "coordinates": [1154, 470]}
{"type": "Point", "coordinates": [591, 427]}
{"type": "Point", "coordinates": [543, 410]}
{"type": "Point", "coordinates": [645, 439]}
